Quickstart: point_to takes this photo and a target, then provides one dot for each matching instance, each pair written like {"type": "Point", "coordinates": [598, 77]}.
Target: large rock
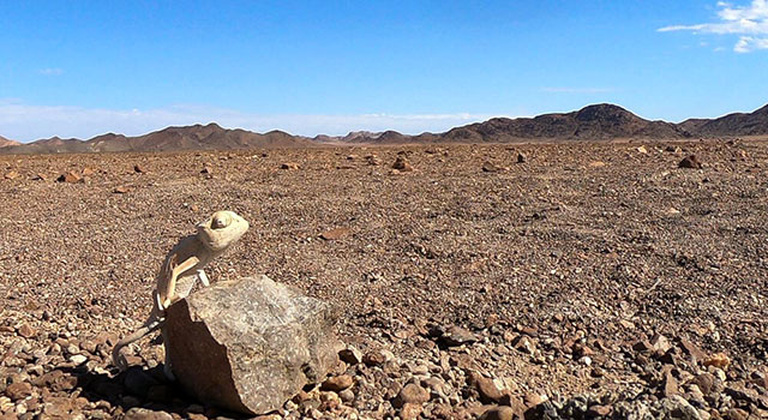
{"type": "Point", "coordinates": [250, 345]}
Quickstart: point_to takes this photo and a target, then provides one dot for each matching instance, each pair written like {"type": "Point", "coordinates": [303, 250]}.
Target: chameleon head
{"type": "Point", "coordinates": [221, 230]}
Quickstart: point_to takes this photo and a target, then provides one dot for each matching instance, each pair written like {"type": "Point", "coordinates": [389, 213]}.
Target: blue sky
{"type": "Point", "coordinates": [82, 68]}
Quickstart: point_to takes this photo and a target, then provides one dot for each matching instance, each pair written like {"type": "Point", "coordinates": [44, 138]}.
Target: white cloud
{"type": "Point", "coordinates": [31, 122]}
{"type": "Point", "coordinates": [51, 72]}
{"type": "Point", "coordinates": [750, 22]}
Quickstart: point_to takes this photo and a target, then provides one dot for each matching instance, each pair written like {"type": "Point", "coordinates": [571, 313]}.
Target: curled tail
{"type": "Point", "coordinates": [151, 325]}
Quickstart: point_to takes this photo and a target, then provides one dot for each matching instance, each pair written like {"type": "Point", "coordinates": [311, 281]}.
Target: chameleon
{"type": "Point", "coordinates": [181, 269]}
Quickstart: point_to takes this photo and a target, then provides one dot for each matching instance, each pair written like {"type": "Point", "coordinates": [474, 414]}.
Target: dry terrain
{"type": "Point", "coordinates": [589, 280]}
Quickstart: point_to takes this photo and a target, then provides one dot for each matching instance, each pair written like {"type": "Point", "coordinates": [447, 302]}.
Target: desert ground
{"type": "Point", "coordinates": [589, 280]}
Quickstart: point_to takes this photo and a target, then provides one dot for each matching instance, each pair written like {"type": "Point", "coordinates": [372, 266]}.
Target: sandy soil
{"type": "Point", "coordinates": [561, 268]}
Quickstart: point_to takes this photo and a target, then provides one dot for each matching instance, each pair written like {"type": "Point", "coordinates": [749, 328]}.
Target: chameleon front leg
{"type": "Point", "coordinates": [170, 289]}
{"type": "Point", "coordinates": [203, 278]}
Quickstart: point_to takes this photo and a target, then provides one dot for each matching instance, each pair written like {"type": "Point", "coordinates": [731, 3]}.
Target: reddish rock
{"type": "Point", "coordinates": [690, 162]}
{"type": "Point", "coordinates": [498, 413]}
{"type": "Point", "coordinates": [334, 234]}
{"type": "Point", "coordinates": [18, 390]}
{"type": "Point", "coordinates": [11, 175]}
{"type": "Point", "coordinates": [411, 394]}
{"type": "Point", "coordinates": [290, 166]}
{"type": "Point", "coordinates": [402, 164]}
{"type": "Point", "coordinates": [70, 178]}
{"type": "Point", "coordinates": [120, 190]}
{"type": "Point", "coordinates": [88, 171]}
{"type": "Point", "coordinates": [26, 331]}
{"type": "Point", "coordinates": [488, 391]}
{"type": "Point", "coordinates": [337, 383]}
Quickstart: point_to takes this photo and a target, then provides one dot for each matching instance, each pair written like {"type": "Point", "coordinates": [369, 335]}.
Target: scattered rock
{"type": "Point", "coordinates": [521, 158]}
{"type": "Point", "coordinates": [690, 162]}
{"type": "Point", "coordinates": [207, 170]}
{"type": "Point", "coordinates": [40, 177]}
{"type": "Point", "coordinates": [18, 390]}
{"type": "Point", "coordinates": [290, 166]}
{"type": "Point", "coordinates": [337, 383]}
{"type": "Point", "coordinates": [70, 178]}
{"type": "Point", "coordinates": [137, 413]}
{"type": "Point", "coordinates": [351, 355]}
{"type": "Point", "coordinates": [642, 150]}
{"type": "Point", "coordinates": [26, 331]}
{"type": "Point", "coordinates": [490, 167]}
{"type": "Point", "coordinates": [456, 336]}
{"type": "Point", "coordinates": [498, 413]}
{"type": "Point", "coordinates": [596, 164]}
{"type": "Point", "coordinates": [401, 164]}
{"type": "Point", "coordinates": [373, 160]}
{"type": "Point", "coordinates": [88, 171]}
{"type": "Point", "coordinates": [334, 234]}
{"type": "Point", "coordinates": [138, 169]}
{"type": "Point", "coordinates": [120, 190]}
{"type": "Point", "coordinates": [376, 358]}
{"type": "Point", "coordinates": [11, 175]}
{"type": "Point", "coordinates": [485, 387]}
{"type": "Point", "coordinates": [411, 394]}
{"type": "Point", "coordinates": [719, 360]}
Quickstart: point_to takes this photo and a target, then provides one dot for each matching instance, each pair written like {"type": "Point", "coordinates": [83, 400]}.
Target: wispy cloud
{"type": "Point", "coordinates": [51, 72]}
{"type": "Point", "coordinates": [24, 122]}
{"type": "Point", "coordinates": [585, 90]}
{"type": "Point", "coordinates": [749, 22]}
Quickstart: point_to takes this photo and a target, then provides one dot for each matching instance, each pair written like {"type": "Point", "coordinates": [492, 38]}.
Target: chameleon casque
{"type": "Point", "coordinates": [182, 267]}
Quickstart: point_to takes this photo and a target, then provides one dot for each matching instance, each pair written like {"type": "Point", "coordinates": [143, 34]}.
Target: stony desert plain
{"type": "Point", "coordinates": [590, 280]}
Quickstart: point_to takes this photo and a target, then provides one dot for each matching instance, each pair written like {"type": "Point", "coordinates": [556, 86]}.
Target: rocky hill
{"type": "Point", "coordinates": [4, 142]}
{"type": "Point", "coordinates": [593, 122]}
{"type": "Point", "coordinates": [736, 124]}
{"type": "Point", "coordinates": [196, 137]}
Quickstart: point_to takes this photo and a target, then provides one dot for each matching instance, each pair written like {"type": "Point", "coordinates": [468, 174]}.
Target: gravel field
{"type": "Point", "coordinates": [578, 280]}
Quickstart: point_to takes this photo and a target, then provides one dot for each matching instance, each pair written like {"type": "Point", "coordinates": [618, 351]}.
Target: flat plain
{"type": "Point", "coordinates": [595, 276]}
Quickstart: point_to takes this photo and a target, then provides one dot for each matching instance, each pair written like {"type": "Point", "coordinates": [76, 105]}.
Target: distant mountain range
{"type": "Point", "coordinates": [591, 123]}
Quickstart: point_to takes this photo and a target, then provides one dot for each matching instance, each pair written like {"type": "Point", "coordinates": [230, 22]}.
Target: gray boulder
{"type": "Point", "coordinates": [250, 345]}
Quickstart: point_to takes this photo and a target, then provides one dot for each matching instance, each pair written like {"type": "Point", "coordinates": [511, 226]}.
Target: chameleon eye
{"type": "Point", "coordinates": [220, 220]}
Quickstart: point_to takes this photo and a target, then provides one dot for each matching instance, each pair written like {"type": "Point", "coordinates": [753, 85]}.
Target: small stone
{"type": "Point", "coordinates": [290, 166]}
{"type": "Point", "coordinates": [410, 411]}
{"type": "Point", "coordinates": [138, 169]}
{"type": "Point", "coordinates": [642, 150]}
{"type": "Point", "coordinates": [373, 160]}
{"type": "Point", "coordinates": [207, 170]}
{"type": "Point", "coordinates": [351, 355]}
{"type": "Point", "coordinates": [337, 383]}
{"type": "Point", "coordinates": [70, 178]}
{"type": "Point", "coordinates": [78, 359]}
{"type": "Point", "coordinates": [411, 394]}
{"type": "Point", "coordinates": [18, 390]}
{"type": "Point", "coordinates": [498, 413]}
{"type": "Point", "coordinates": [347, 395]}
{"type": "Point", "coordinates": [660, 344]}
{"type": "Point", "coordinates": [532, 399]}
{"type": "Point", "coordinates": [375, 358]}
{"type": "Point", "coordinates": [120, 189]}
{"type": "Point", "coordinates": [88, 171]}
{"type": "Point", "coordinates": [596, 164]}
{"type": "Point", "coordinates": [488, 391]}
{"type": "Point", "coordinates": [490, 167]}
{"type": "Point", "coordinates": [40, 177]}
{"type": "Point", "coordinates": [138, 413]}
{"type": "Point", "coordinates": [705, 382]}
{"type": "Point", "coordinates": [11, 175]}
{"type": "Point", "coordinates": [521, 158]}
{"type": "Point", "coordinates": [690, 162]}
{"type": "Point", "coordinates": [670, 384]}
{"type": "Point", "coordinates": [736, 414]}
{"type": "Point", "coordinates": [26, 331]}
{"type": "Point", "coordinates": [401, 164]}
{"type": "Point", "coordinates": [335, 234]}
{"type": "Point", "coordinates": [719, 360]}
{"type": "Point", "coordinates": [524, 344]}
{"type": "Point", "coordinates": [599, 411]}
{"type": "Point", "coordinates": [457, 336]}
